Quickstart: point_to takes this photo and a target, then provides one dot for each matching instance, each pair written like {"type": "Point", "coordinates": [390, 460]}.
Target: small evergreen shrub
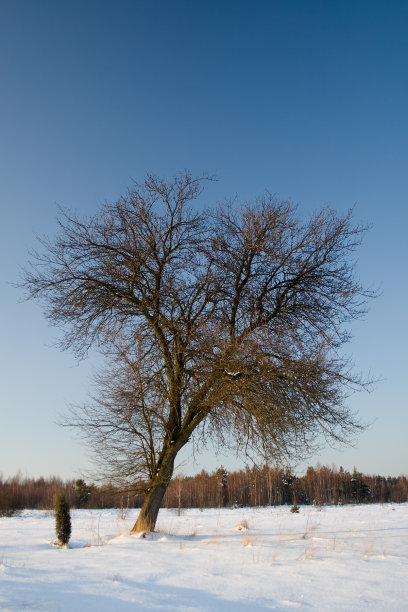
{"type": "Point", "coordinates": [62, 520]}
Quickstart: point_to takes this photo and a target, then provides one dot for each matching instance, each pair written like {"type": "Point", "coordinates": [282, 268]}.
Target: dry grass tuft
{"type": "Point", "coordinates": [309, 531]}
{"type": "Point", "coordinates": [248, 541]}
{"type": "Point", "coordinates": [242, 526]}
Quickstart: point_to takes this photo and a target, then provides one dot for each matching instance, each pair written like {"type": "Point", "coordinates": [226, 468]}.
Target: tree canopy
{"type": "Point", "coordinates": [225, 323]}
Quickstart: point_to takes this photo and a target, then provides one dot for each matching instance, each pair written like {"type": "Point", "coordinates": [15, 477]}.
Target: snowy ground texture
{"type": "Point", "coordinates": [338, 558]}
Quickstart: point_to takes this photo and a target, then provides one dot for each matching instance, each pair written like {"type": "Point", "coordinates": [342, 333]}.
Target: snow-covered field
{"type": "Point", "coordinates": [338, 558]}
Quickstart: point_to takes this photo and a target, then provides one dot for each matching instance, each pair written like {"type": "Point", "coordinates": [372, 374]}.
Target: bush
{"type": "Point", "coordinates": [62, 520]}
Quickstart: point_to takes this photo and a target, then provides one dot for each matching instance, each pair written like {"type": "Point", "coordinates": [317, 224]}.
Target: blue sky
{"type": "Point", "coordinates": [306, 99]}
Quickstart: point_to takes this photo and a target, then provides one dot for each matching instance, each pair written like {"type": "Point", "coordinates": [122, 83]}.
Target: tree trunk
{"type": "Point", "coordinates": [146, 521]}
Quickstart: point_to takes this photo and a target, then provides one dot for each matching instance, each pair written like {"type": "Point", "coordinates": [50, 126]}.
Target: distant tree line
{"type": "Point", "coordinates": [265, 486]}
{"type": "Point", "coordinates": [274, 486]}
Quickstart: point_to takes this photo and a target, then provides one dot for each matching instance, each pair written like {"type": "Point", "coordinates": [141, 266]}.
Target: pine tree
{"type": "Point", "coordinates": [222, 476]}
{"type": "Point", "coordinates": [62, 520]}
{"type": "Point", "coordinates": [360, 491]}
{"type": "Point", "coordinates": [83, 492]}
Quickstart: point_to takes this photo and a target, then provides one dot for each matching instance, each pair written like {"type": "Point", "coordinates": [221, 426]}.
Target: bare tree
{"type": "Point", "coordinates": [225, 322]}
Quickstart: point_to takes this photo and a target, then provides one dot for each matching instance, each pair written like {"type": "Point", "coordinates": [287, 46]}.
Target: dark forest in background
{"type": "Point", "coordinates": [268, 486]}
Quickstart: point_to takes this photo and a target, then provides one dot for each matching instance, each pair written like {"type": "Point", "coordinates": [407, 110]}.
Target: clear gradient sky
{"type": "Point", "coordinates": [308, 99]}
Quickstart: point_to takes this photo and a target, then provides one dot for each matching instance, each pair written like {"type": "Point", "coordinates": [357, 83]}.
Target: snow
{"type": "Point", "coordinates": [336, 558]}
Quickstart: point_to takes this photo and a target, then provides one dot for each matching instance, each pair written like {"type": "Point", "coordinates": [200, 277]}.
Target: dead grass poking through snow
{"type": "Point", "coordinates": [242, 526]}
{"type": "Point", "coordinates": [248, 540]}
{"type": "Point", "coordinates": [368, 549]}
